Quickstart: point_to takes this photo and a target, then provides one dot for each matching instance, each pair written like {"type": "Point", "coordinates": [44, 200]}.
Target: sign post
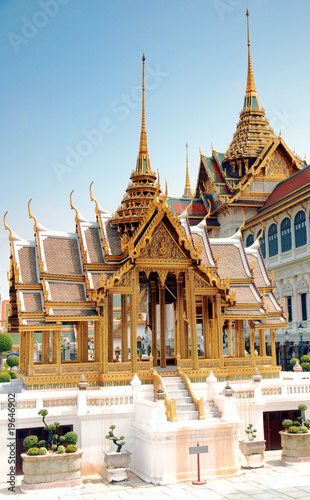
{"type": "Point", "coordinates": [196, 450]}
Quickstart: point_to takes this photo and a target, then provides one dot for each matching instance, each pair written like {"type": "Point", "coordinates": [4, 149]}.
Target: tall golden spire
{"type": "Point", "coordinates": [187, 189]}
{"type": "Point", "coordinates": [250, 87]}
{"type": "Point", "coordinates": [143, 161]}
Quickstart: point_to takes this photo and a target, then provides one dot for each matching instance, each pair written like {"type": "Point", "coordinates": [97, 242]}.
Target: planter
{"type": "Point", "coordinates": [253, 452]}
{"type": "Point", "coordinates": [51, 471]}
{"type": "Point", "coordinates": [117, 465]}
{"type": "Point", "coordinates": [295, 447]}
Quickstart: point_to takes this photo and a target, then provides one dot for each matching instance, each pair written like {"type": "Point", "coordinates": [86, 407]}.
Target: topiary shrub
{"type": "Point", "coordinates": [293, 361]}
{"type": "Point", "coordinates": [12, 375]}
{"type": "Point", "coordinates": [296, 423]}
{"type": "Point", "coordinates": [306, 367]}
{"type": "Point", "coordinates": [62, 449]}
{"type": "Point", "coordinates": [307, 423]}
{"type": "Point", "coordinates": [42, 443]}
{"type": "Point", "coordinates": [54, 447]}
{"type": "Point", "coordinates": [30, 442]}
{"type": "Point", "coordinates": [42, 451]}
{"type": "Point", "coordinates": [71, 437]}
{"type": "Point", "coordinates": [71, 448]}
{"type": "Point", "coordinates": [294, 429]}
{"type": "Point", "coordinates": [304, 429]}
{"type": "Point", "coordinates": [5, 377]}
{"type": "Point", "coordinates": [12, 360]}
{"type": "Point", "coordinates": [62, 439]}
{"type": "Point", "coordinates": [34, 451]}
{"type": "Point", "coordinates": [302, 407]}
{"type": "Point", "coordinates": [287, 423]}
{"type": "Point", "coordinates": [6, 344]}
{"type": "Point", "coordinates": [305, 358]}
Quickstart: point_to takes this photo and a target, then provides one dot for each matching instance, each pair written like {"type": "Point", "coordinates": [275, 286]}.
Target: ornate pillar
{"type": "Point", "coordinates": [54, 345]}
{"type": "Point", "coordinates": [110, 327]}
{"type": "Point", "coordinates": [153, 321]}
{"type": "Point", "coordinates": [193, 325]}
{"type": "Point", "coordinates": [45, 347]}
{"type": "Point", "coordinates": [229, 333]}
{"type": "Point", "coordinates": [84, 341]}
{"type": "Point", "coordinates": [205, 327]}
{"type": "Point", "coordinates": [162, 307]}
{"type": "Point", "coordinates": [97, 342]}
{"type": "Point", "coordinates": [57, 335]}
{"type": "Point", "coordinates": [273, 346]}
{"type": "Point", "coordinates": [124, 328]}
{"type": "Point", "coordinates": [252, 347]}
{"type": "Point", "coordinates": [104, 313]}
{"type": "Point", "coordinates": [220, 348]}
{"type": "Point", "coordinates": [212, 342]}
{"type": "Point", "coordinates": [180, 318]}
{"type": "Point", "coordinates": [31, 351]}
{"type": "Point", "coordinates": [22, 352]}
{"type": "Point", "coordinates": [134, 298]}
{"type": "Point", "coordinates": [262, 343]}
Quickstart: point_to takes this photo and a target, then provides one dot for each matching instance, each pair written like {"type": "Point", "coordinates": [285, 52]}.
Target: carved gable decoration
{"type": "Point", "coordinates": [200, 283]}
{"type": "Point", "coordinates": [162, 246]}
{"type": "Point", "coordinates": [277, 167]}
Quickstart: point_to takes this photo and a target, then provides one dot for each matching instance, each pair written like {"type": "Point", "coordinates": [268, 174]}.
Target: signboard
{"type": "Point", "coordinates": [194, 450]}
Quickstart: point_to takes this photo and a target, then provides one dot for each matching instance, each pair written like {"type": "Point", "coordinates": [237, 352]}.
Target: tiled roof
{"type": "Point", "coordinates": [244, 312]}
{"type": "Point", "coordinates": [74, 312]}
{"type": "Point", "coordinates": [62, 256]}
{"type": "Point", "coordinates": [204, 255]}
{"type": "Point", "coordinates": [27, 262]}
{"type": "Point", "coordinates": [258, 275]}
{"type": "Point", "coordinates": [33, 302]}
{"type": "Point", "coordinates": [244, 294]}
{"type": "Point", "coordinates": [230, 261]}
{"type": "Point", "coordinates": [96, 279]}
{"type": "Point", "coordinates": [94, 245]}
{"type": "Point", "coordinates": [67, 292]}
{"type": "Point", "coordinates": [113, 238]}
{"type": "Point", "coordinates": [286, 187]}
{"type": "Point", "coordinates": [270, 304]}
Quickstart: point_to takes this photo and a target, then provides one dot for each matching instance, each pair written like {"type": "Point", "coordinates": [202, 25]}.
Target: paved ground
{"type": "Point", "coordinates": [274, 481]}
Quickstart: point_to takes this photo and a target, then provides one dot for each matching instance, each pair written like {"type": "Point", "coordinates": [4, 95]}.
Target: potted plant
{"type": "Point", "coordinates": [116, 461]}
{"type": "Point", "coordinates": [295, 438]}
{"type": "Point", "coordinates": [252, 448]}
{"type": "Point", "coordinates": [53, 462]}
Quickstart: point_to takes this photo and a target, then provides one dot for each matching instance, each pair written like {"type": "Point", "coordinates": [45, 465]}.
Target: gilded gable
{"type": "Point", "coordinates": [277, 167]}
{"type": "Point", "coordinates": [162, 246]}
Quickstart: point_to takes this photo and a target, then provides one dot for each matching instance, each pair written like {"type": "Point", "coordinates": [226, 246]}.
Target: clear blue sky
{"type": "Point", "coordinates": [70, 66]}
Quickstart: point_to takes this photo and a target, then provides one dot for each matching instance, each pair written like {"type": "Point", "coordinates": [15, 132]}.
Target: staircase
{"type": "Point", "coordinates": [185, 409]}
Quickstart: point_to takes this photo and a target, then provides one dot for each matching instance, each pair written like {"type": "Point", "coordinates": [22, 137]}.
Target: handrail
{"type": "Point", "coordinates": [170, 404]}
{"type": "Point", "coordinates": [197, 402]}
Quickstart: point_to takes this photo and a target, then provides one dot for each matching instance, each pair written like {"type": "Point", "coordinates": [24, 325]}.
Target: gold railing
{"type": "Point", "coordinates": [198, 402]}
{"type": "Point", "coordinates": [170, 404]}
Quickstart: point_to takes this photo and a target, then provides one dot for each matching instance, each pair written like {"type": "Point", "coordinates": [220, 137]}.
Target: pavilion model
{"type": "Point", "coordinates": [163, 268]}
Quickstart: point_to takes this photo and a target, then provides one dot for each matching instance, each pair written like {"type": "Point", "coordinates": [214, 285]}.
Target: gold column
{"type": "Point", "coordinates": [239, 339]}
{"type": "Point", "coordinates": [252, 348]}
{"type": "Point", "coordinates": [273, 346]}
{"type": "Point", "coordinates": [54, 346]}
{"type": "Point", "coordinates": [134, 300]}
{"type": "Point", "coordinates": [84, 337]}
{"type": "Point", "coordinates": [31, 351]}
{"type": "Point", "coordinates": [105, 334]}
{"type": "Point", "coordinates": [45, 347]}
{"type": "Point", "coordinates": [153, 321]}
{"type": "Point", "coordinates": [162, 325]}
{"type": "Point", "coordinates": [22, 352]}
{"type": "Point", "coordinates": [220, 348]}
{"type": "Point", "coordinates": [180, 310]}
{"type": "Point", "coordinates": [57, 335]}
{"type": "Point", "coordinates": [193, 324]}
{"type": "Point", "coordinates": [205, 327]}
{"type": "Point", "coordinates": [212, 339]}
{"type": "Point", "coordinates": [124, 327]}
{"type": "Point", "coordinates": [262, 343]}
{"type": "Point", "coordinates": [97, 343]}
{"type": "Point", "coordinates": [229, 333]}
{"type": "Point", "coordinates": [110, 327]}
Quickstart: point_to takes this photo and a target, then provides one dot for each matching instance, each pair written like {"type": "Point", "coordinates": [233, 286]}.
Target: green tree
{"type": "Point", "coordinates": [6, 344]}
{"type": "Point", "coordinates": [12, 361]}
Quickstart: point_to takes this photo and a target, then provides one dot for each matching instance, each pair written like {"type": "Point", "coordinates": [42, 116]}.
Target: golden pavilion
{"type": "Point", "coordinates": [156, 259]}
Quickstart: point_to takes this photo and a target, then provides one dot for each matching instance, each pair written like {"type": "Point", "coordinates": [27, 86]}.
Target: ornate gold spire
{"type": "Point", "coordinates": [187, 189]}
{"type": "Point", "coordinates": [253, 131]}
{"type": "Point", "coordinates": [143, 161]}
{"type": "Point", "coordinates": [141, 190]}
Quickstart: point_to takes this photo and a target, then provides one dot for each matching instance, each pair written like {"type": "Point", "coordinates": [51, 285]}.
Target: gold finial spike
{"type": "Point", "coordinates": [187, 189]}
{"type": "Point", "coordinates": [7, 227]}
{"type": "Point", "coordinates": [73, 208]}
{"type": "Point", "coordinates": [143, 142]}
{"type": "Point", "coordinates": [250, 87]}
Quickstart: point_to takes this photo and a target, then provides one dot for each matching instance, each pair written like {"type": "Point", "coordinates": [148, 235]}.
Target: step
{"type": "Point", "coordinates": [183, 400]}
{"type": "Point", "coordinates": [178, 394]}
{"type": "Point", "coordinates": [175, 387]}
{"type": "Point", "coordinates": [188, 415]}
{"type": "Point", "coordinates": [185, 407]}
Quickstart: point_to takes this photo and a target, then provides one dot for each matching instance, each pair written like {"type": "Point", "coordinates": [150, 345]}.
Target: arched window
{"type": "Point", "coordinates": [273, 240]}
{"type": "Point", "coordinates": [249, 240]}
{"type": "Point", "coordinates": [262, 243]}
{"type": "Point", "coordinates": [300, 229]}
{"type": "Point", "coordinates": [286, 235]}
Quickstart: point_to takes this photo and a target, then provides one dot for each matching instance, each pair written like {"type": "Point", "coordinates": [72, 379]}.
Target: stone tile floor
{"type": "Point", "coordinates": [274, 481]}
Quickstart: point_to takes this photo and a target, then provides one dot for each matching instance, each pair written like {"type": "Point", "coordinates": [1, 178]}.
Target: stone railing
{"type": "Point", "coordinates": [113, 400]}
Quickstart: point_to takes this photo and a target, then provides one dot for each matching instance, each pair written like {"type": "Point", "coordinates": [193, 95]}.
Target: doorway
{"type": "Point", "coordinates": [273, 425]}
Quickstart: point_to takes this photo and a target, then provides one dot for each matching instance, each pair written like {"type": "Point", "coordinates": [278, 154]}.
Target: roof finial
{"type": "Point", "coordinates": [187, 189]}
{"type": "Point", "coordinates": [143, 143]}
{"type": "Point", "coordinates": [250, 87]}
